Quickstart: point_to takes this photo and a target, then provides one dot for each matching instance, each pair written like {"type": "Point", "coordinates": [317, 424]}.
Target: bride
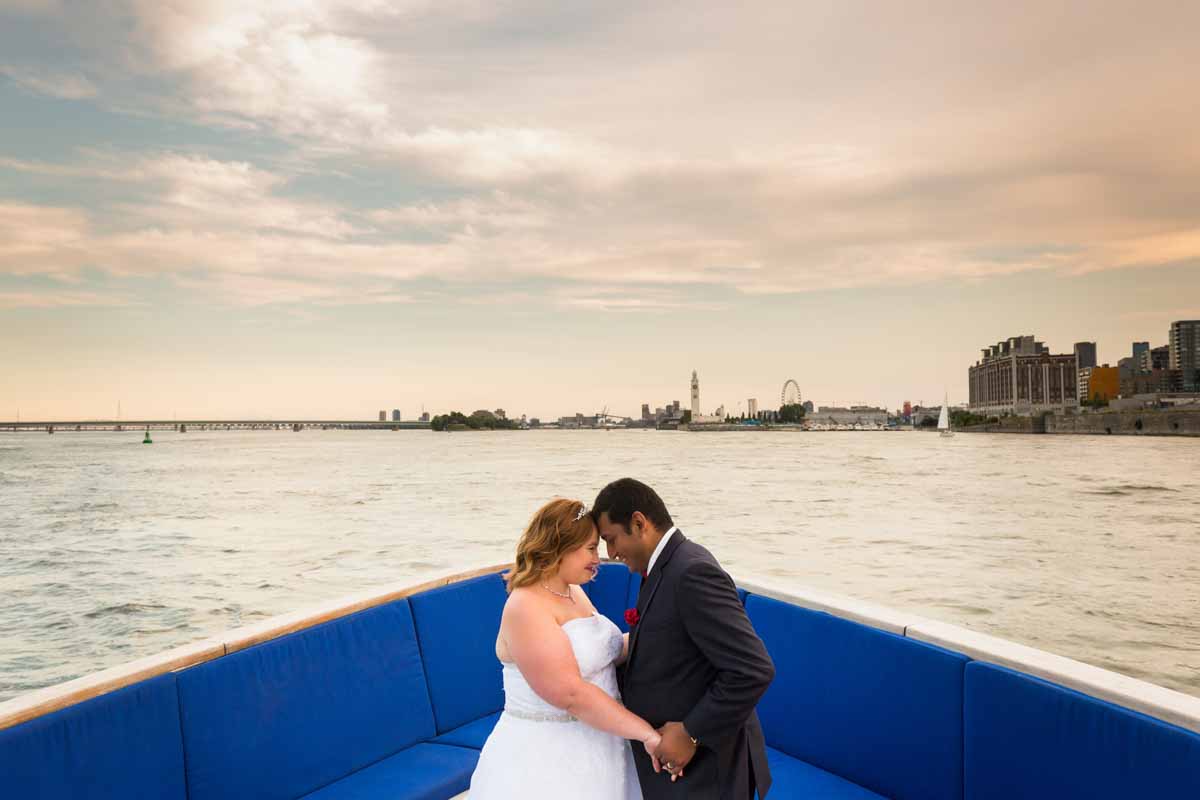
{"type": "Point", "coordinates": [563, 728]}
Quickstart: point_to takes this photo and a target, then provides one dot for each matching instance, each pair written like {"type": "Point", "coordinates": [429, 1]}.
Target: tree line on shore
{"type": "Point", "coordinates": [479, 421]}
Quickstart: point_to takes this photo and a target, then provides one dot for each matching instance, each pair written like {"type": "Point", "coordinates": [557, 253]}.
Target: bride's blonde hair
{"type": "Point", "coordinates": [556, 529]}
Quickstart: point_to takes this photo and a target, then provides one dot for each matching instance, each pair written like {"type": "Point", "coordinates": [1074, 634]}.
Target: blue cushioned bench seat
{"type": "Point", "coordinates": [791, 777]}
{"type": "Point", "coordinates": [457, 627]}
{"type": "Point", "coordinates": [473, 734]}
{"type": "Point", "coordinates": [1032, 739]}
{"type": "Point", "coordinates": [396, 701]}
{"type": "Point", "coordinates": [120, 745]}
{"type": "Point", "coordinates": [876, 709]}
{"type": "Point", "coordinates": [295, 714]}
{"type": "Point", "coordinates": [422, 772]}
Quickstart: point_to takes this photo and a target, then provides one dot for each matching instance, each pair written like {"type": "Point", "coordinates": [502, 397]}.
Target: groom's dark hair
{"type": "Point", "coordinates": [623, 497]}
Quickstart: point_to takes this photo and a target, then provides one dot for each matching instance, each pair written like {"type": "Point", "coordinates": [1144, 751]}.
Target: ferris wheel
{"type": "Point", "coordinates": [790, 394]}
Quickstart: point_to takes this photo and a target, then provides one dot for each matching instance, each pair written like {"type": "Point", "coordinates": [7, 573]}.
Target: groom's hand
{"type": "Point", "coordinates": [676, 748]}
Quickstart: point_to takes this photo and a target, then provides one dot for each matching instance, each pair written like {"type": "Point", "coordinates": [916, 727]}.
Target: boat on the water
{"type": "Point", "coordinates": [391, 695]}
{"type": "Point", "coordinates": [944, 418]}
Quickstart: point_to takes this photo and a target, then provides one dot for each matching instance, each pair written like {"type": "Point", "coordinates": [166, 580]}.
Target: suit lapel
{"type": "Point", "coordinates": [650, 588]}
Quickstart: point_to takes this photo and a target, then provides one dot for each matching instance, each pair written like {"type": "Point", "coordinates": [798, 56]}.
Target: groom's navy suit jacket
{"type": "Point", "coordinates": [694, 657]}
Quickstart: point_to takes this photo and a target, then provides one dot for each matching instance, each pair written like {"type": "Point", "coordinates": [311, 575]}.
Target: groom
{"type": "Point", "coordinates": [695, 668]}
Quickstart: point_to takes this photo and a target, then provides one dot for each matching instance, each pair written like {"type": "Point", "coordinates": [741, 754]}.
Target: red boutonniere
{"type": "Point", "coordinates": [631, 617]}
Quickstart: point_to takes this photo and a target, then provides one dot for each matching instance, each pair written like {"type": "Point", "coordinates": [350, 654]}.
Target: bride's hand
{"type": "Point", "coordinates": [651, 744]}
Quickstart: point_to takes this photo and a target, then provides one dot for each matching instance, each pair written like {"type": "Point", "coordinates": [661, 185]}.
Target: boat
{"type": "Point", "coordinates": [944, 418]}
{"type": "Point", "coordinates": [392, 693]}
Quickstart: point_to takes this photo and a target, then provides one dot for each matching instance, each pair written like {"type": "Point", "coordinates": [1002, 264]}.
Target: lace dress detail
{"type": "Point", "coordinates": [539, 751]}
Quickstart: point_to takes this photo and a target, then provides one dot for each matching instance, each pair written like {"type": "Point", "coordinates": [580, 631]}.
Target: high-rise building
{"type": "Point", "coordinates": [1154, 381]}
{"type": "Point", "coordinates": [752, 408]}
{"type": "Point", "coordinates": [1157, 358]}
{"type": "Point", "coordinates": [1085, 355]}
{"type": "Point", "coordinates": [646, 412]}
{"type": "Point", "coordinates": [695, 395]}
{"type": "Point", "coordinates": [1021, 376]}
{"type": "Point", "coordinates": [907, 409]}
{"type": "Point", "coordinates": [395, 415]}
{"type": "Point", "coordinates": [1127, 369]}
{"type": "Point", "coordinates": [1184, 341]}
{"type": "Point", "coordinates": [424, 416]}
{"type": "Point", "coordinates": [383, 416]}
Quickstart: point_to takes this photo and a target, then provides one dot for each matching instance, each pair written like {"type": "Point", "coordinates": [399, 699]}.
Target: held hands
{"type": "Point", "coordinates": [675, 749]}
{"type": "Point", "coordinates": [651, 744]}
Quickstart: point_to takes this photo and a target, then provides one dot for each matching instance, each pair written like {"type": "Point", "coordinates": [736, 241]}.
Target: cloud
{"type": "Point", "coordinates": [492, 213]}
{"type": "Point", "coordinates": [274, 64]}
{"type": "Point", "coordinates": [30, 6]}
{"type": "Point", "coordinates": [788, 150]}
{"type": "Point", "coordinates": [68, 86]}
{"type": "Point", "coordinates": [57, 298]}
{"type": "Point", "coordinates": [262, 290]}
{"type": "Point", "coordinates": [35, 240]}
{"type": "Point", "coordinates": [623, 300]}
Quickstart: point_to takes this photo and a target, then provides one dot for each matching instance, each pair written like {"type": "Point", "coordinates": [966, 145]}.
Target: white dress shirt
{"type": "Point", "coordinates": [662, 543]}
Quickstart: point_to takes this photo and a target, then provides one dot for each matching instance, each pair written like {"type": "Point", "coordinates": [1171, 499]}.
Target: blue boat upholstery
{"type": "Point", "coordinates": [422, 772]}
{"type": "Point", "coordinates": [1032, 739]}
{"type": "Point", "coordinates": [289, 716]}
{"type": "Point", "coordinates": [874, 708]}
{"type": "Point", "coordinates": [793, 778]}
{"type": "Point", "coordinates": [473, 734]}
{"type": "Point", "coordinates": [609, 593]}
{"type": "Point", "coordinates": [457, 627]}
{"type": "Point", "coordinates": [120, 745]}
{"type": "Point", "coordinates": [395, 702]}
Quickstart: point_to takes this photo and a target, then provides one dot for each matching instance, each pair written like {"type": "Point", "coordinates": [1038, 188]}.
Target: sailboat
{"type": "Point", "coordinates": [944, 418]}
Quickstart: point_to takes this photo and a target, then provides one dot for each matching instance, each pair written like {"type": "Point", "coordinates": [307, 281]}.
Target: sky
{"type": "Point", "coordinates": [324, 208]}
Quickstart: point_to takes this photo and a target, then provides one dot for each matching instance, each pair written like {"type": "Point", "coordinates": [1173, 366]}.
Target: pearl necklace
{"type": "Point", "coordinates": [566, 596]}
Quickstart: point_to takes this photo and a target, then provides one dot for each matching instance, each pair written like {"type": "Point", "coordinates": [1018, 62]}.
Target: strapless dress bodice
{"type": "Point", "coordinates": [596, 642]}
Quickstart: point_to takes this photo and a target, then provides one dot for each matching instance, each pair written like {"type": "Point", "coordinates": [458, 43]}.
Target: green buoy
{"type": "Point", "coordinates": [147, 440]}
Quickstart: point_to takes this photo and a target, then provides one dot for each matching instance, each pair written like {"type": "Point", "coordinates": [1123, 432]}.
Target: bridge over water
{"type": "Point", "coordinates": [183, 426]}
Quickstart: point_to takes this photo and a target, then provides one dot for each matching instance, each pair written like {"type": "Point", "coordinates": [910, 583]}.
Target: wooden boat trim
{"type": "Point", "coordinates": [54, 698]}
{"type": "Point", "coordinates": [1157, 701]}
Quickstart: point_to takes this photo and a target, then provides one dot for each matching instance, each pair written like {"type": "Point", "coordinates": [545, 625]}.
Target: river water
{"type": "Point", "coordinates": [111, 549]}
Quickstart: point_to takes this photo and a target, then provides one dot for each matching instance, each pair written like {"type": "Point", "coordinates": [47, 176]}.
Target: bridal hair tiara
{"type": "Point", "coordinates": [582, 512]}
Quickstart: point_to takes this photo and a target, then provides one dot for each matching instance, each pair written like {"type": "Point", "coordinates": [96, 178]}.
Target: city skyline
{"type": "Point", "coordinates": [325, 208]}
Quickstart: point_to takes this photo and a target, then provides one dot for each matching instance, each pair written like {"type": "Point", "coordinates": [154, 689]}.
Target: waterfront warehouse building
{"type": "Point", "coordinates": [1020, 376]}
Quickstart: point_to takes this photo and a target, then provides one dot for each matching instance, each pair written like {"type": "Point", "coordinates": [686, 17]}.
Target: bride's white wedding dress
{"type": "Point", "coordinates": [539, 751]}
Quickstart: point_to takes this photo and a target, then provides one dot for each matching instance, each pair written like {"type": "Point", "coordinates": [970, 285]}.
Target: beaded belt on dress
{"type": "Point", "coordinates": [534, 717]}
